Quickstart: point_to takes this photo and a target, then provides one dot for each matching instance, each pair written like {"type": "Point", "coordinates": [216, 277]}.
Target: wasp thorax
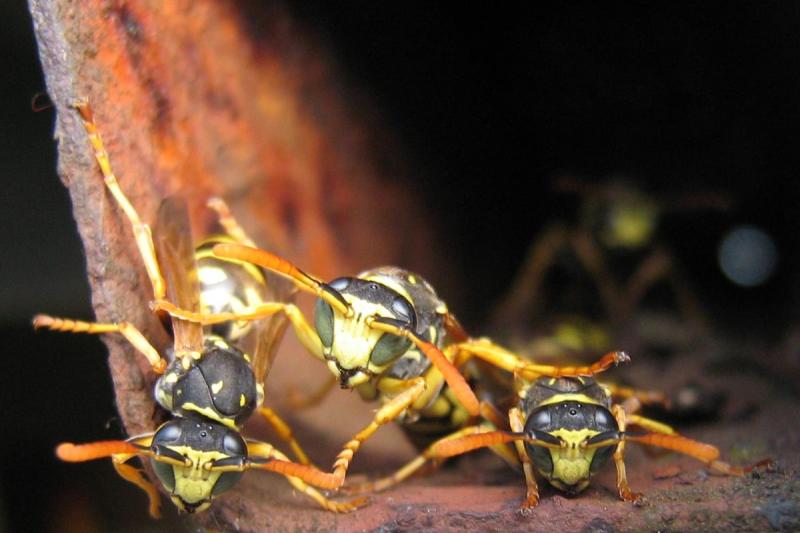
{"type": "Point", "coordinates": [220, 385]}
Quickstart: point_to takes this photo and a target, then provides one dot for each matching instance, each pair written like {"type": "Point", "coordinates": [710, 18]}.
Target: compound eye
{"type": "Point", "coordinates": [225, 482]}
{"type": "Point", "coordinates": [403, 310]}
{"type": "Point", "coordinates": [169, 432]}
{"type": "Point", "coordinates": [388, 348]}
{"type": "Point", "coordinates": [540, 420]}
{"type": "Point", "coordinates": [234, 445]}
{"type": "Point", "coordinates": [323, 321]}
{"type": "Point", "coordinates": [165, 473]}
{"type": "Point", "coordinates": [602, 419]}
{"type": "Point", "coordinates": [340, 284]}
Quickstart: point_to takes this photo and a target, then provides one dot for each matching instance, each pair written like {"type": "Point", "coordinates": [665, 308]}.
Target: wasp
{"type": "Point", "coordinates": [617, 227]}
{"type": "Point", "coordinates": [210, 386]}
{"type": "Point", "coordinates": [386, 334]}
{"type": "Point", "coordinates": [566, 429]}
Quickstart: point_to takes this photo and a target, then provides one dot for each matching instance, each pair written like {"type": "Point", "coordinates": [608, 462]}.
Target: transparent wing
{"type": "Point", "coordinates": [175, 250]}
{"type": "Point", "coordinates": [270, 331]}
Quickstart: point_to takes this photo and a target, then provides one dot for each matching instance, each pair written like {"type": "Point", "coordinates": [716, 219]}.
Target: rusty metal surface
{"type": "Point", "coordinates": [202, 98]}
{"type": "Point", "coordinates": [215, 98]}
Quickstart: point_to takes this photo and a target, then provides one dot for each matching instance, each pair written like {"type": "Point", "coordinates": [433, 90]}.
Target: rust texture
{"type": "Point", "coordinates": [205, 98]}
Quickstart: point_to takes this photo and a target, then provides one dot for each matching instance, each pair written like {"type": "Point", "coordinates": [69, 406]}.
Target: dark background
{"type": "Point", "coordinates": [490, 105]}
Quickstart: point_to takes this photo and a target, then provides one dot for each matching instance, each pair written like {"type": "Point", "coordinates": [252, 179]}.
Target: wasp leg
{"type": "Point", "coordinates": [228, 221]}
{"type": "Point", "coordinates": [655, 267]}
{"type": "Point", "coordinates": [625, 492]}
{"type": "Point", "coordinates": [298, 400]}
{"type": "Point", "coordinates": [491, 414]}
{"type": "Point", "coordinates": [649, 424]}
{"type": "Point", "coordinates": [305, 333]}
{"type": "Point", "coordinates": [495, 355]}
{"type": "Point", "coordinates": [285, 433]}
{"type": "Point", "coordinates": [141, 231]}
{"type": "Point", "coordinates": [443, 362]}
{"type": "Point", "coordinates": [517, 423]}
{"type": "Point", "coordinates": [297, 475]}
{"type": "Point", "coordinates": [523, 297]}
{"type": "Point", "coordinates": [120, 452]}
{"type": "Point", "coordinates": [593, 260]}
{"type": "Point", "coordinates": [411, 467]}
{"type": "Point", "coordinates": [701, 451]}
{"type": "Point", "coordinates": [127, 330]}
{"type": "Point", "coordinates": [388, 412]}
{"type": "Point", "coordinates": [645, 397]}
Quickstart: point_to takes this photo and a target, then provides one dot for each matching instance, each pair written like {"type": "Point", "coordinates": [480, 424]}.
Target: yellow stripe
{"type": "Point", "coordinates": [569, 397]}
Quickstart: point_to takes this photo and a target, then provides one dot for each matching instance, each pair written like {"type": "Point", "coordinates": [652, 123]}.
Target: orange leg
{"type": "Point", "coordinates": [298, 475]}
{"type": "Point", "coordinates": [127, 330]}
{"type": "Point", "coordinates": [645, 397]}
{"type": "Point", "coordinates": [495, 355]}
{"type": "Point", "coordinates": [701, 451]}
{"type": "Point", "coordinates": [625, 492]}
{"type": "Point", "coordinates": [141, 231]}
{"type": "Point", "coordinates": [409, 468]}
{"type": "Point", "coordinates": [517, 423]}
{"type": "Point", "coordinates": [228, 221]}
{"type": "Point", "coordinates": [120, 452]}
{"type": "Point", "coordinates": [285, 433]}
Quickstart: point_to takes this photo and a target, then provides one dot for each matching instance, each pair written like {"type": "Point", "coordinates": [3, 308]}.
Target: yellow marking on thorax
{"type": "Point", "coordinates": [569, 397]}
{"type": "Point", "coordinates": [216, 387]}
{"type": "Point", "coordinates": [209, 413]}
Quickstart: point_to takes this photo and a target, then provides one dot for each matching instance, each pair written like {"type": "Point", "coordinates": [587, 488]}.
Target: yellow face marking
{"type": "Point", "coordinates": [572, 462]}
{"type": "Point", "coordinates": [353, 339]}
{"type": "Point", "coordinates": [412, 279]}
{"type": "Point", "coordinates": [216, 387]}
{"type": "Point", "coordinates": [172, 377]}
{"type": "Point", "coordinates": [242, 400]}
{"type": "Point", "coordinates": [194, 483]}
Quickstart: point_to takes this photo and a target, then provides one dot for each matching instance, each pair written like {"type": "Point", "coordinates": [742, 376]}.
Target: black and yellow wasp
{"type": "Point", "coordinates": [386, 334]}
{"type": "Point", "coordinates": [566, 429]}
{"type": "Point", "coordinates": [210, 385]}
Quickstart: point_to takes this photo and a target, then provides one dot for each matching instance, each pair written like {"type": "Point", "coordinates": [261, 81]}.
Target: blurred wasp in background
{"type": "Point", "coordinates": [210, 385]}
{"type": "Point", "coordinates": [617, 223]}
{"type": "Point", "coordinates": [386, 334]}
